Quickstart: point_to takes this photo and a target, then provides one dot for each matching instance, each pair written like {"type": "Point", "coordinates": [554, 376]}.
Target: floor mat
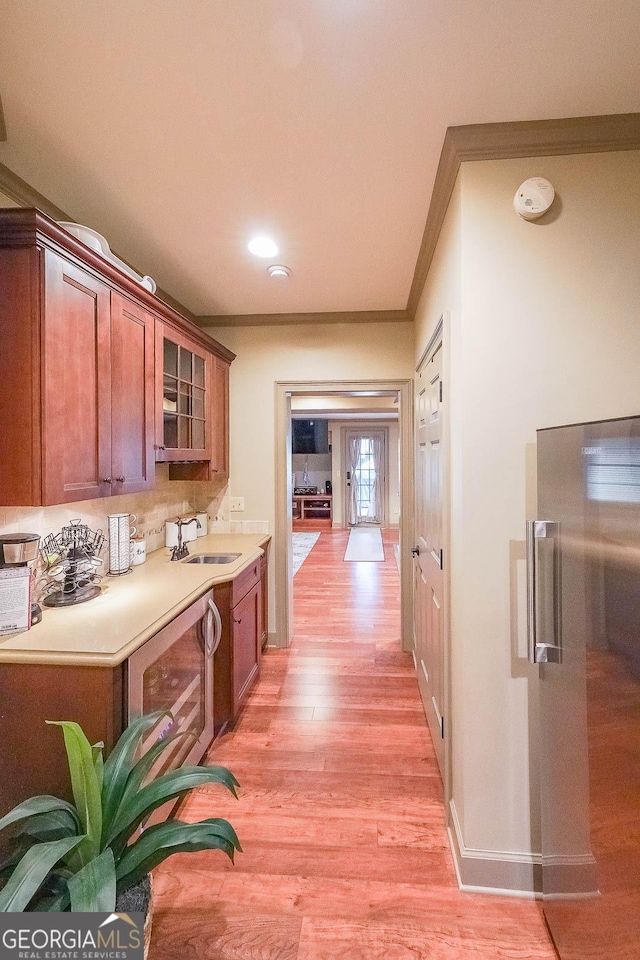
{"type": "Point", "coordinates": [303, 543]}
{"type": "Point", "coordinates": [364, 544]}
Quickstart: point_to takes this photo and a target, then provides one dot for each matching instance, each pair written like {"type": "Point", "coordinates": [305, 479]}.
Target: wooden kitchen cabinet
{"type": "Point", "coordinates": [184, 397]}
{"type": "Point", "coordinates": [92, 432]}
{"type": "Point", "coordinates": [75, 328]}
{"type": "Point", "coordinates": [220, 458]}
{"type": "Point", "coordinates": [132, 396]}
{"type": "Point", "coordinates": [264, 584]}
{"type": "Point", "coordinates": [192, 407]}
{"type": "Point", "coordinates": [32, 754]}
{"type": "Point", "coordinates": [78, 371]}
{"type": "Point", "coordinates": [247, 642]}
{"type": "Point", "coordinates": [237, 660]}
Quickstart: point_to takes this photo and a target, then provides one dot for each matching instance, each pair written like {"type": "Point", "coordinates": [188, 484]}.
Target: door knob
{"type": "Point", "coordinates": [415, 551]}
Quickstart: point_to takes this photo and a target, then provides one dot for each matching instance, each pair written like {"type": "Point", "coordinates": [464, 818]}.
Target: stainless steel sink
{"type": "Point", "coordinates": [213, 558]}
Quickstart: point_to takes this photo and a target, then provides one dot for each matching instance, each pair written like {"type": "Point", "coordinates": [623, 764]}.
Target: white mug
{"type": "Point", "coordinates": [139, 551]}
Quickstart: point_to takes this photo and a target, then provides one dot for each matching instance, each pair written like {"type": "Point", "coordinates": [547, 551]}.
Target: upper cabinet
{"type": "Point", "coordinates": [185, 403]}
{"type": "Point", "coordinates": [192, 406]}
{"type": "Point", "coordinates": [99, 378]}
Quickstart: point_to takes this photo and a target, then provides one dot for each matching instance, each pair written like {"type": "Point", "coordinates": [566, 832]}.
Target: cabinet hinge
{"type": "Point", "coordinates": [441, 559]}
{"type": "Point", "coordinates": [442, 727]}
{"type": "Point", "coordinates": [441, 391]}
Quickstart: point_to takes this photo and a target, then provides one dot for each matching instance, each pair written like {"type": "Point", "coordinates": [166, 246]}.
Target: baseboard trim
{"type": "Point", "coordinates": [493, 871]}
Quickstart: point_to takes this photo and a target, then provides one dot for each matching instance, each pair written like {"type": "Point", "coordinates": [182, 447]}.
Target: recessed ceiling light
{"type": "Point", "coordinates": [263, 247]}
{"type": "Point", "coordinates": [278, 271]}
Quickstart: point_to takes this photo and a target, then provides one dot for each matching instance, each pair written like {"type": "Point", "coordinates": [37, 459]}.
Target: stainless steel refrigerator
{"type": "Point", "coordinates": [584, 629]}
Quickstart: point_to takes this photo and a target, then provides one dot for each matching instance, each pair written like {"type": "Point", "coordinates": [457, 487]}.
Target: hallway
{"type": "Point", "coordinates": [340, 813]}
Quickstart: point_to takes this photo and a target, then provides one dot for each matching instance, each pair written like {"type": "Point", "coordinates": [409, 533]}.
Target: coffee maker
{"type": "Point", "coordinates": [21, 550]}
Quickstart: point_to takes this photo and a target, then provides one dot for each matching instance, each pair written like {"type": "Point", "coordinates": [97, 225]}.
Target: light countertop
{"type": "Point", "coordinates": [130, 609]}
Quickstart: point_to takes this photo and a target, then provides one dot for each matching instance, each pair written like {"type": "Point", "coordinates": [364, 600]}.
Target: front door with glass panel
{"type": "Point", "coordinates": [365, 491]}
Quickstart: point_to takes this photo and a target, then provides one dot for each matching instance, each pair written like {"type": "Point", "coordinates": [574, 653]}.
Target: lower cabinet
{"type": "Point", "coordinates": [237, 660]}
{"type": "Point", "coordinates": [264, 580]}
{"type": "Point", "coordinates": [220, 634]}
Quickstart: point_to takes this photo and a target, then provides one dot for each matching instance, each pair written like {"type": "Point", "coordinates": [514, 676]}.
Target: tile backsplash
{"type": "Point", "coordinates": [168, 499]}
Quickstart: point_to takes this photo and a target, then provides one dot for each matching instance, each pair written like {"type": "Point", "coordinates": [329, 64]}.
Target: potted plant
{"type": "Point", "coordinates": [83, 856]}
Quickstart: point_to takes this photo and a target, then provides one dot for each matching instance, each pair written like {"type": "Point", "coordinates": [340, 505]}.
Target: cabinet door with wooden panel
{"type": "Point", "coordinates": [76, 384]}
{"type": "Point", "coordinates": [220, 417]}
{"type": "Point", "coordinates": [246, 626]}
{"type": "Point", "coordinates": [132, 396]}
{"type": "Point", "coordinates": [237, 660]}
{"type": "Point", "coordinates": [264, 586]}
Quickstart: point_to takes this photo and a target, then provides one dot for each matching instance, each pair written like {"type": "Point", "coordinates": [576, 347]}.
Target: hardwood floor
{"type": "Point", "coordinates": [340, 812]}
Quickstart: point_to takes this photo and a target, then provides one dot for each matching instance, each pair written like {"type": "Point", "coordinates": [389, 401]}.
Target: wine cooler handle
{"type": "Point", "coordinates": [213, 638]}
{"type": "Point", "coordinates": [544, 614]}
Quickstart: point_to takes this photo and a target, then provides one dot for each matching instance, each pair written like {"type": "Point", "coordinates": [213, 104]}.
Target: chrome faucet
{"type": "Point", "coordinates": [181, 550]}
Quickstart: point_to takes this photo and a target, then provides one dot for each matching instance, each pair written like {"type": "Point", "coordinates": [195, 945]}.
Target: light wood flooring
{"type": "Point", "coordinates": [340, 812]}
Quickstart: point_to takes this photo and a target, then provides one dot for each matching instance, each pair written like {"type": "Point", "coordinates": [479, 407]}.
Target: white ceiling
{"type": "Point", "coordinates": [178, 128]}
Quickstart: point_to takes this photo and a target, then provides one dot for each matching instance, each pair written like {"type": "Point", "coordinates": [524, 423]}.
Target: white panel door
{"type": "Point", "coordinates": [429, 553]}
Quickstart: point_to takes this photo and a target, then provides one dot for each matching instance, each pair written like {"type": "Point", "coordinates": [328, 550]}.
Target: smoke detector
{"type": "Point", "coordinates": [278, 271]}
{"type": "Point", "coordinates": [533, 198]}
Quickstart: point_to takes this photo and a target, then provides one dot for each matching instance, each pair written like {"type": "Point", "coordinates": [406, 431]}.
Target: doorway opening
{"type": "Point", "coordinates": [384, 492]}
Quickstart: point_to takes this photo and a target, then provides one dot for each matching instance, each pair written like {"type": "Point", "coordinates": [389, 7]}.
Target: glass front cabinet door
{"type": "Point", "coordinates": [185, 372]}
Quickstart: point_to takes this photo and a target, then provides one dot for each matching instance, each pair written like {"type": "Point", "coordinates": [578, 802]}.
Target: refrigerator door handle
{"type": "Point", "coordinates": [544, 614]}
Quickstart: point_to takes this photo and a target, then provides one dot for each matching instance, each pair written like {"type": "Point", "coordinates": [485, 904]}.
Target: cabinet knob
{"type": "Point", "coordinates": [108, 480]}
{"type": "Point", "coordinates": [119, 479]}
{"type": "Point", "coordinates": [160, 446]}
{"type": "Point", "coordinates": [237, 619]}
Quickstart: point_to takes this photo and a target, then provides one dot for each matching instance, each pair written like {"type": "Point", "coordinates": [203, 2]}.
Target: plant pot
{"type": "Point", "coordinates": [139, 899]}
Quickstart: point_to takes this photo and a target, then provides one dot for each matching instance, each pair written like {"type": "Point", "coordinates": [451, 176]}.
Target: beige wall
{"type": "Point", "coordinates": [266, 355]}
{"type": "Point", "coordinates": [168, 499]}
{"type": "Point", "coordinates": [544, 328]}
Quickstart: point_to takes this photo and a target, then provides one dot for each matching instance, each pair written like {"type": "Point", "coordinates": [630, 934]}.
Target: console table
{"type": "Point", "coordinates": [312, 511]}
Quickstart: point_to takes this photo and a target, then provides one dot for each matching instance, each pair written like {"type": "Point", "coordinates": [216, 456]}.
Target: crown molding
{"type": "Point", "coordinates": [25, 195]}
{"type": "Point", "coordinates": [278, 319]}
{"type": "Point", "coordinates": [506, 141]}
{"type": "Point", "coordinates": [481, 141]}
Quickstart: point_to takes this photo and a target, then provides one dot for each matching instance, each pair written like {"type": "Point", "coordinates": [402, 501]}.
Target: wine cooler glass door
{"type": "Point", "coordinates": [173, 672]}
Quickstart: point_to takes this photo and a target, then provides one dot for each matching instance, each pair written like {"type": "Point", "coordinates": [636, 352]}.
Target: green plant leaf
{"type": "Point", "coordinates": [167, 787]}
{"type": "Point", "coordinates": [57, 903]}
{"type": "Point", "coordinates": [51, 825]}
{"type": "Point", "coordinates": [145, 763]}
{"type": "Point", "coordinates": [119, 764]}
{"type": "Point", "coordinates": [31, 872]}
{"type": "Point", "coordinates": [53, 895]}
{"type": "Point", "coordinates": [94, 887]}
{"type": "Point", "coordinates": [98, 761]}
{"type": "Point", "coordinates": [35, 806]}
{"type": "Point", "coordinates": [85, 787]}
{"type": "Point", "coordinates": [164, 839]}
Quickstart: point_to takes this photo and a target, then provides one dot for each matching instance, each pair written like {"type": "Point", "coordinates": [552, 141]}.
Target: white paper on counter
{"type": "Point", "coordinates": [15, 600]}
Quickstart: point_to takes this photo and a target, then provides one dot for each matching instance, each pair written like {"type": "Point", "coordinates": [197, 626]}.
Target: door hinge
{"type": "Point", "coordinates": [442, 727]}
{"type": "Point", "coordinates": [441, 391]}
{"type": "Point", "coordinates": [441, 559]}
